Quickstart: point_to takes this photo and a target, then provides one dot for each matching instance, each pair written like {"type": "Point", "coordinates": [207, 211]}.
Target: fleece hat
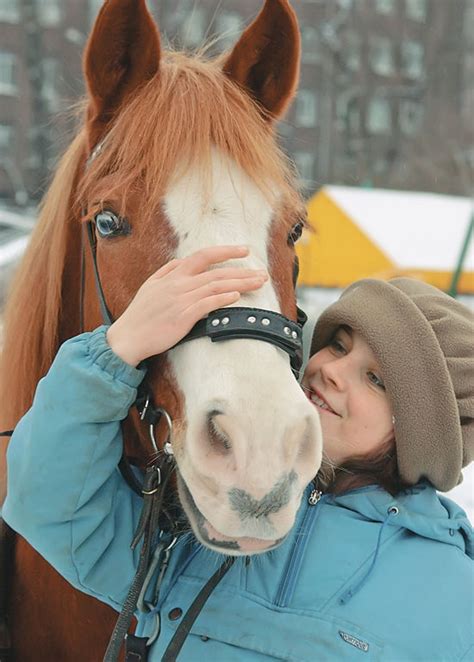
{"type": "Point", "coordinates": [424, 342]}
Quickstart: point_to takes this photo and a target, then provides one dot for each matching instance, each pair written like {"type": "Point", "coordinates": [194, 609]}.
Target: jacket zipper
{"type": "Point", "coordinates": [295, 559]}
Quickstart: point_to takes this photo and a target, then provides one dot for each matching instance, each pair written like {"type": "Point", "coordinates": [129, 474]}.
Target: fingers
{"type": "Point", "coordinates": [207, 257]}
{"type": "Point", "coordinates": [166, 269]}
{"type": "Point", "coordinates": [222, 286]}
{"type": "Point", "coordinates": [226, 274]}
{"type": "Point", "coordinates": [203, 307]}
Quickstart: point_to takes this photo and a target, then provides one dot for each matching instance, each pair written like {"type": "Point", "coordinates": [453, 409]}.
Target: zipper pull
{"type": "Point", "coordinates": [314, 497]}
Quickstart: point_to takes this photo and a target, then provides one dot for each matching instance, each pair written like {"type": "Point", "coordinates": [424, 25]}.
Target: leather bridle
{"type": "Point", "coordinates": [223, 323]}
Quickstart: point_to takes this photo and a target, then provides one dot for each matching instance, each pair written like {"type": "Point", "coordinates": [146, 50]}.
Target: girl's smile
{"type": "Point", "coordinates": [344, 382]}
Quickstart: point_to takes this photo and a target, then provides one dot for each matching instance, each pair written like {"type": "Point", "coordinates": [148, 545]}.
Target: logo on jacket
{"type": "Point", "coordinates": [353, 641]}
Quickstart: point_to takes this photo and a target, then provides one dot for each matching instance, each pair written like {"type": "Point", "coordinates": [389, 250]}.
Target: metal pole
{"type": "Point", "coordinates": [453, 290]}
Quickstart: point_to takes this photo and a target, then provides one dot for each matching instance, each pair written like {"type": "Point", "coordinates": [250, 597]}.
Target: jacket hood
{"type": "Point", "coordinates": [419, 509]}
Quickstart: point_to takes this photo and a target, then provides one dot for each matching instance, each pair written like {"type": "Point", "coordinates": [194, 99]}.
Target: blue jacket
{"type": "Point", "coordinates": [362, 576]}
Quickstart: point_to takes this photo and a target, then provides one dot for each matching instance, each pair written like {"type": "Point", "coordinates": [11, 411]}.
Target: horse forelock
{"type": "Point", "coordinates": [173, 123]}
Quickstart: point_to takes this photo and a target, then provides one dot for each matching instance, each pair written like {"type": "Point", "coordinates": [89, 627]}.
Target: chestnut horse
{"type": "Point", "coordinates": [188, 156]}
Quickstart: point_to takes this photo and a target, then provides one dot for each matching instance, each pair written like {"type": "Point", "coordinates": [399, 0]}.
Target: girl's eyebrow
{"type": "Point", "coordinates": [346, 329]}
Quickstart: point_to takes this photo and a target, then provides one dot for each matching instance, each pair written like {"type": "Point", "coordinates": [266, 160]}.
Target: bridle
{"type": "Point", "coordinates": [223, 323]}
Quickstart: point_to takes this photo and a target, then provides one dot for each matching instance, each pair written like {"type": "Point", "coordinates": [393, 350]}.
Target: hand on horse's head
{"type": "Point", "coordinates": [174, 298]}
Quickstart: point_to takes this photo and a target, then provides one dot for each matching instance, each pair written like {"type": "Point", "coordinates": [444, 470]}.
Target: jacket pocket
{"type": "Point", "coordinates": [233, 627]}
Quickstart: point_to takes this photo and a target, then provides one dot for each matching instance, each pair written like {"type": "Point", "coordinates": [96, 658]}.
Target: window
{"type": "Point", "coordinates": [306, 113]}
{"type": "Point", "coordinates": [310, 45]}
{"type": "Point", "coordinates": [9, 11]}
{"type": "Point", "coordinates": [353, 118]}
{"type": "Point", "coordinates": [410, 116]}
{"type": "Point", "coordinates": [352, 52]}
{"type": "Point", "coordinates": [385, 6]}
{"type": "Point", "coordinates": [228, 27]}
{"type": "Point", "coordinates": [381, 56]}
{"type": "Point", "coordinates": [6, 138]}
{"type": "Point", "coordinates": [49, 12]}
{"type": "Point", "coordinates": [7, 73]}
{"type": "Point", "coordinates": [50, 72]}
{"type": "Point", "coordinates": [412, 59]}
{"type": "Point", "coordinates": [305, 165]}
{"type": "Point", "coordinates": [416, 10]}
{"type": "Point", "coordinates": [348, 112]}
{"type": "Point", "coordinates": [379, 116]}
{"type": "Point", "coordinates": [194, 28]}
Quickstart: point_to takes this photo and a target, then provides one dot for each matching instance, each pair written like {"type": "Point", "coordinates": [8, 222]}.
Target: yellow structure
{"type": "Point", "coordinates": [361, 233]}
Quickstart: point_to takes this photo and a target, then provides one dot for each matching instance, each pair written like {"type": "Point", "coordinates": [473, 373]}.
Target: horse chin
{"type": "Point", "coordinates": [213, 539]}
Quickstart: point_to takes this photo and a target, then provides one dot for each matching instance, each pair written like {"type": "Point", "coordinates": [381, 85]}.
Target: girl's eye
{"type": "Point", "coordinates": [375, 380]}
{"type": "Point", "coordinates": [109, 224]}
{"type": "Point", "coordinates": [337, 346]}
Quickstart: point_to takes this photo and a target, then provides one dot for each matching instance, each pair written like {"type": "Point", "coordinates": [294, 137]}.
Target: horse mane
{"type": "Point", "coordinates": [32, 312]}
{"type": "Point", "coordinates": [174, 121]}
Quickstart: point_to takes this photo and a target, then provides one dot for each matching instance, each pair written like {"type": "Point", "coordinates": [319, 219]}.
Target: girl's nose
{"type": "Point", "coordinates": [333, 373]}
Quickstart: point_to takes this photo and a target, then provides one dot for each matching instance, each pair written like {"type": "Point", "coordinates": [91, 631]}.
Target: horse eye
{"type": "Point", "coordinates": [295, 233]}
{"type": "Point", "coordinates": [108, 224]}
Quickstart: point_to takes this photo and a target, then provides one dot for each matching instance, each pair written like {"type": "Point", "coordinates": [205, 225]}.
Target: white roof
{"type": "Point", "coordinates": [415, 230]}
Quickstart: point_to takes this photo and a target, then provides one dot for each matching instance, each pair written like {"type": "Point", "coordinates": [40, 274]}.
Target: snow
{"type": "Point", "coordinates": [463, 494]}
{"type": "Point", "coordinates": [415, 230]}
{"type": "Point", "coordinates": [12, 251]}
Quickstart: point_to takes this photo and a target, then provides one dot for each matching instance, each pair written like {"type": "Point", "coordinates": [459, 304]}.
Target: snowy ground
{"type": "Point", "coordinates": [313, 302]}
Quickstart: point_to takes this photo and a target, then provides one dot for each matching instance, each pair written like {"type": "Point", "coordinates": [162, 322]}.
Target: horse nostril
{"type": "Point", "coordinates": [218, 439]}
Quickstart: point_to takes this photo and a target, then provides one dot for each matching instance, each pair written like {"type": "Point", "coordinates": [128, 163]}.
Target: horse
{"type": "Point", "coordinates": [184, 147]}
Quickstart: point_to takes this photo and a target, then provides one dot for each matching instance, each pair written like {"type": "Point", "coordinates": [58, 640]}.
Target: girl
{"type": "Point", "coordinates": [377, 566]}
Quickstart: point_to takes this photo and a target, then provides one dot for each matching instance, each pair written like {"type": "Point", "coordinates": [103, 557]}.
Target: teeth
{"type": "Point", "coordinates": [319, 402]}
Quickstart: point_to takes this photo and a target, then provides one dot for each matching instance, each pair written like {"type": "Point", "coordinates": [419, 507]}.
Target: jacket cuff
{"type": "Point", "coordinates": [102, 355]}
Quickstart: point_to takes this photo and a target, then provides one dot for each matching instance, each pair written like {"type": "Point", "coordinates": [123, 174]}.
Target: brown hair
{"type": "Point", "coordinates": [376, 468]}
{"type": "Point", "coordinates": [138, 148]}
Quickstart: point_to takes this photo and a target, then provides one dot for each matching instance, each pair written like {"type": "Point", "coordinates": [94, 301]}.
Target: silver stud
{"type": "Point", "coordinates": [265, 321]}
{"type": "Point", "coordinates": [215, 322]}
{"type": "Point", "coordinates": [294, 335]}
{"type": "Point", "coordinates": [225, 320]}
{"type": "Point", "coordinates": [168, 448]}
{"type": "Point", "coordinates": [287, 330]}
{"type": "Point", "coordinates": [251, 319]}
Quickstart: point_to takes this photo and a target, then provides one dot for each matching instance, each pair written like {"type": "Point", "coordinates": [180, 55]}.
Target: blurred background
{"type": "Point", "coordinates": [381, 131]}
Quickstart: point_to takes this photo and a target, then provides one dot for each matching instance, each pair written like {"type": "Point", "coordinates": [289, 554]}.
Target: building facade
{"type": "Point", "coordinates": [385, 99]}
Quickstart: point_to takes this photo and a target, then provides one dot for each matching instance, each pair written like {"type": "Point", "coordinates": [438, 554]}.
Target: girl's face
{"type": "Point", "coordinates": [345, 384]}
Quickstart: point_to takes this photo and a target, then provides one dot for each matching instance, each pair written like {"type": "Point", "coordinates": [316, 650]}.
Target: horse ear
{"type": "Point", "coordinates": [266, 59]}
{"type": "Point", "coordinates": [122, 53]}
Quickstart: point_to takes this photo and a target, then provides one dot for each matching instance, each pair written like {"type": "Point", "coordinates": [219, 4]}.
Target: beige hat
{"type": "Point", "coordinates": [424, 342]}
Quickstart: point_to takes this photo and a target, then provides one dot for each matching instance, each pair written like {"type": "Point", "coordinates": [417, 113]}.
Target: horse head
{"type": "Point", "coordinates": [177, 153]}
{"type": "Point", "coordinates": [184, 155]}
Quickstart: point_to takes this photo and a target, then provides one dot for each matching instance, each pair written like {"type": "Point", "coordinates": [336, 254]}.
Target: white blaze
{"type": "Point", "coordinates": [266, 412]}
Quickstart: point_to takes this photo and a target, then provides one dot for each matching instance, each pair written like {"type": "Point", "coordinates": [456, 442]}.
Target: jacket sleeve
{"type": "Point", "coordinates": [66, 496]}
